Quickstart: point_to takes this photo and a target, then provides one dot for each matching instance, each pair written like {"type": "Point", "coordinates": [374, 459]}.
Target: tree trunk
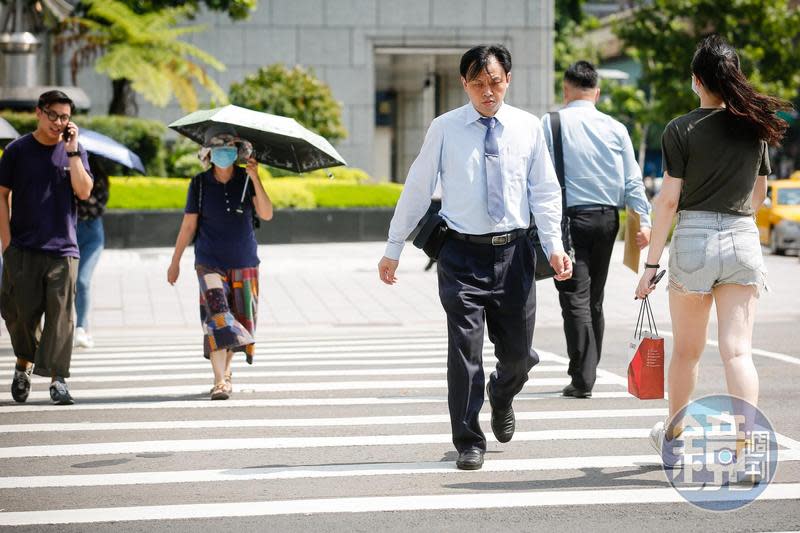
{"type": "Point", "coordinates": [123, 100]}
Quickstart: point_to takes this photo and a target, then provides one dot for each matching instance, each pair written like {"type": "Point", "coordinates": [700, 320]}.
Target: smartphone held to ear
{"type": "Point", "coordinates": [66, 134]}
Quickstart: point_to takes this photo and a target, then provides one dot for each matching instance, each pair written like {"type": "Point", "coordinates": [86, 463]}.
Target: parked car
{"type": "Point", "coordinates": [778, 219]}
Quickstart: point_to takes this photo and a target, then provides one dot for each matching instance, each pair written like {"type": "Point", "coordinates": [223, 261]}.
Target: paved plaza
{"type": "Point", "coordinates": [341, 424]}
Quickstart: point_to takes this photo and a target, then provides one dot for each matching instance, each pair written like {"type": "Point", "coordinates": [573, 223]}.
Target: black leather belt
{"type": "Point", "coordinates": [496, 239]}
{"type": "Point", "coordinates": [590, 207]}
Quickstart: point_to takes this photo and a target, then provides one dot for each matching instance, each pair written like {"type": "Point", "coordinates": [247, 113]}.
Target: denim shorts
{"type": "Point", "coordinates": [710, 249]}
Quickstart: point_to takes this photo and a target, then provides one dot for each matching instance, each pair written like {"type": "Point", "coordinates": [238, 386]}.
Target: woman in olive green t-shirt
{"type": "Point", "coordinates": [716, 166]}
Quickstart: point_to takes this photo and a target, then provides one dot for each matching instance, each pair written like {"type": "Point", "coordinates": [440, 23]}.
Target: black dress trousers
{"type": "Point", "coordinates": [593, 232]}
{"type": "Point", "coordinates": [493, 285]}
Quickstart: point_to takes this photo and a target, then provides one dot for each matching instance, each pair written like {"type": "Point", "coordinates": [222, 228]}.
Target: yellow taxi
{"type": "Point", "coordinates": [778, 219]}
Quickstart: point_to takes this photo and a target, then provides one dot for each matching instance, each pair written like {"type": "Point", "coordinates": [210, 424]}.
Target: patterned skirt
{"type": "Point", "coordinates": [228, 309]}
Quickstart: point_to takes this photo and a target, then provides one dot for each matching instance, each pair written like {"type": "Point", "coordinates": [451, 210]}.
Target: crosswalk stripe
{"type": "Point", "coordinates": [321, 422]}
{"type": "Point", "coordinates": [179, 390]}
{"type": "Point", "coordinates": [336, 471]}
{"type": "Point", "coordinates": [202, 364]}
{"type": "Point", "coordinates": [274, 402]}
{"type": "Point", "coordinates": [274, 443]}
{"type": "Point", "coordinates": [250, 374]}
{"type": "Point", "coordinates": [506, 500]}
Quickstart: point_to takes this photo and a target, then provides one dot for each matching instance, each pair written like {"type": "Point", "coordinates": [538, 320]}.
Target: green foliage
{"type": "Point", "coordinates": [144, 48]}
{"type": "Point", "coordinates": [627, 104]}
{"type": "Point", "coordinates": [294, 93]}
{"type": "Point", "coordinates": [342, 195]}
{"type": "Point", "coordinates": [299, 193]}
{"type": "Point", "coordinates": [663, 35]}
{"type": "Point", "coordinates": [144, 137]}
{"type": "Point", "coordinates": [236, 9]}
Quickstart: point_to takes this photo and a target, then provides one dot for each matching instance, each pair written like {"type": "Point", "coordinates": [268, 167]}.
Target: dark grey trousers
{"type": "Point", "coordinates": [493, 285]}
{"type": "Point", "coordinates": [36, 284]}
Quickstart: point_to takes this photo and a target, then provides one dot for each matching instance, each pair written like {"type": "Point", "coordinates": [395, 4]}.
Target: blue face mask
{"type": "Point", "coordinates": [224, 156]}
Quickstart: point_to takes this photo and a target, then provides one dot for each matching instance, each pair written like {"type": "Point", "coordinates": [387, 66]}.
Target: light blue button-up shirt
{"type": "Point", "coordinates": [453, 151]}
{"type": "Point", "coordinates": [599, 162]}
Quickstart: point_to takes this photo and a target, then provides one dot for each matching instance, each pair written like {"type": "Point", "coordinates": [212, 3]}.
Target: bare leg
{"type": "Point", "coordinates": [736, 309]}
{"type": "Point", "coordinates": [218, 365]}
{"type": "Point", "coordinates": [228, 361]}
{"type": "Point", "coordinates": [689, 313]}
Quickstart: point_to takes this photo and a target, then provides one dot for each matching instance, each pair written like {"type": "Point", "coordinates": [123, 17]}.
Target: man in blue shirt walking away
{"type": "Point", "coordinates": [491, 160]}
{"type": "Point", "coordinates": [601, 174]}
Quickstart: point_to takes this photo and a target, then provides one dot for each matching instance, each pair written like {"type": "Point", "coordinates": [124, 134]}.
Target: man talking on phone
{"type": "Point", "coordinates": [42, 173]}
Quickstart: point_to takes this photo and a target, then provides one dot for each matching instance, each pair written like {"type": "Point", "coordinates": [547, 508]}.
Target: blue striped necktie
{"type": "Point", "coordinates": [494, 178]}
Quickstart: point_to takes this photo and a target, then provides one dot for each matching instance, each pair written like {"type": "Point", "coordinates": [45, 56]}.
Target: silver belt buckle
{"type": "Point", "coordinates": [499, 240]}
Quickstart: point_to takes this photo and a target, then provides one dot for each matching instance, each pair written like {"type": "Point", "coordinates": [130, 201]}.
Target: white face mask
{"type": "Point", "coordinates": [694, 87]}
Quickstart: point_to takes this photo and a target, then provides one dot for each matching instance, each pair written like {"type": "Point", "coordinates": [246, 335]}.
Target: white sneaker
{"type": "Point", "coordinates": [672, 454]}
{"type": "Point", "coordinates": [83, 339]}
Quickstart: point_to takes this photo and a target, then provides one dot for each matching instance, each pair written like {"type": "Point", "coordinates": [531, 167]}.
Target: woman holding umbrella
{"type": "Point", "coordinates": [220, 212]}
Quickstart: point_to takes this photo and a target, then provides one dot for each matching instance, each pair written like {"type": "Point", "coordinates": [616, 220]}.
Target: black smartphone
{"type": "Point", "coordinates": [655, 280]}
{"type": "Point", "coordinates": [67, 135]}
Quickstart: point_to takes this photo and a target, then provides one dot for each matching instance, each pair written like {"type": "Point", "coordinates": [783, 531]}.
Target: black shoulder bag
{"type": "Point", "coordinates": [543, 268]}
{"type": "Point", "coordinates": [432, 231]}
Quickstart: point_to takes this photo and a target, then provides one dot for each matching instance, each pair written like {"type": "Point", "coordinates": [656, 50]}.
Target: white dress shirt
{"type": "Point", "coordinates": [453, 151]}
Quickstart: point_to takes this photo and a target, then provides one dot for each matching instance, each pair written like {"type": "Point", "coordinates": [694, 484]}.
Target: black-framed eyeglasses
{"type": "Point", "coordinates": [53, 116]}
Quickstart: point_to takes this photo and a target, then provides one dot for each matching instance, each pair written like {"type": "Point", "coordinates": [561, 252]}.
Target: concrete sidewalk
{"type": "Point", "coordinates": [336, 285]}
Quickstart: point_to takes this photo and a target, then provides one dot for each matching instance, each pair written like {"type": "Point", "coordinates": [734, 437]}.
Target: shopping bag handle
{"type": "Point", "coordinates": [645, 311]}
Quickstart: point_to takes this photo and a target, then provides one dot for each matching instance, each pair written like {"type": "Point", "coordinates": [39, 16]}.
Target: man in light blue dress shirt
{"type": "Point", "coordinates": [492, 162]}
{"type": "Point", "coordinates": [601, 175]}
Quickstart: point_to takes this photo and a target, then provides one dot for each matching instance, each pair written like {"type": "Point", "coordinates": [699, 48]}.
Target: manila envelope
{"type": "Point", "coordinates": [632, 252]}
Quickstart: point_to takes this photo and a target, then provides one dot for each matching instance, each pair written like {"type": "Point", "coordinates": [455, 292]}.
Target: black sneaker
{"type": "Point", "coordinates": [21, 384]}
{"type": "Point", "coordinates": [59, 392]}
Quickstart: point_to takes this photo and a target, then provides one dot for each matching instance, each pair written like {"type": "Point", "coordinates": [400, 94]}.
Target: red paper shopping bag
{"type": "Point", "coordinates": [646, 369]}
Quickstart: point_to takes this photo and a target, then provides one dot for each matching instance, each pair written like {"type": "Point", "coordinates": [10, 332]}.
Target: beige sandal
{"type": "Point", "coordinates": [229, 383]}
{"type": "Point", "coordinates": [219, 392]}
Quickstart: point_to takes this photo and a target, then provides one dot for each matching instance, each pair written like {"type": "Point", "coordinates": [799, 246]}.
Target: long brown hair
{"type": "Point", "coordinates": [716, 63]}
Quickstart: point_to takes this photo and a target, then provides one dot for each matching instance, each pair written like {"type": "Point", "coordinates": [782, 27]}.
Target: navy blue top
{"type": "Point", "coordinates": [43, 204]}
{"type": "Point", "coordinates": [225, 238]}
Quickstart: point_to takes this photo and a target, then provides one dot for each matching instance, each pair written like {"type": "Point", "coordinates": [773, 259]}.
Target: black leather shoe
{"type": "Point", "coordinates": [471, 459]}
{"type": "Point", "coordinates": [572, 391]}
{"type": "Point", "coordinates": [503, 421]}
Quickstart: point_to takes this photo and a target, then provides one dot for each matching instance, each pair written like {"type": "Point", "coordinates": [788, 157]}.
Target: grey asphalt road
{"type": "Point", "coordinates": [341, 425]}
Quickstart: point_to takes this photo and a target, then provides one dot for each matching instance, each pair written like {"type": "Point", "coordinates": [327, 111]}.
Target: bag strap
{"type": "Point", "coordinates": [558, 154]}
{"type": "Point", "coordinates": [645, 311]}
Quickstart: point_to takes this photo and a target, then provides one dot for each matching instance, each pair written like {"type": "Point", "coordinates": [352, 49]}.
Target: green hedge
{"type": "Point", "coordinates": [142, 136]}
{"type": "Point", "coordinates": [299, 193]}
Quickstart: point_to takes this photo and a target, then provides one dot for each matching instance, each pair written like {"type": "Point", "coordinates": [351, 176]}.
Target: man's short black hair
{"type": "Point", "coordinates": [55, 97]}
{"type": "Point", "coordinates": [582, 74]}
{"type": "Point", "coordinates": [475, 60]}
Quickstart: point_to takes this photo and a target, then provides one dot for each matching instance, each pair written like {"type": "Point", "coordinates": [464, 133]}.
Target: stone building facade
{"type": "Point", "coordinates": [392, 63]}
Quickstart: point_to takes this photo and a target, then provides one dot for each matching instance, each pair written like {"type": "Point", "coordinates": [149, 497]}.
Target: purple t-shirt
{"type": "Point", "coordinates": [43, 204]}
{"type": "Point", "coordinates": [225, 239]}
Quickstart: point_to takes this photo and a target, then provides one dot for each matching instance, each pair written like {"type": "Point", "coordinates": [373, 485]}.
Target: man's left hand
{"type": "Point", "coordinates": [562, 264]}
{"type": "Point", "coordinates": [643, 238]}
{"type": "Point", "coordinates": [72, 145]}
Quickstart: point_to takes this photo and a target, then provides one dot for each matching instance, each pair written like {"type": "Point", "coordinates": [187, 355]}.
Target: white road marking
{"type": "Point", "coordinates": [320, 422]}
{"type": "Point", "coordinates": [250, 374]}
{"type": "Point", "coordinates": [180, 390]}
{"type": "Point", "coordinates": [336, 471]}
{"type": "Point", "coordinates": [502, 500]}
{"type": "Point", "coordinates": [274, 443]}
{"type": "Point", "coordinates": [273, 402]}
